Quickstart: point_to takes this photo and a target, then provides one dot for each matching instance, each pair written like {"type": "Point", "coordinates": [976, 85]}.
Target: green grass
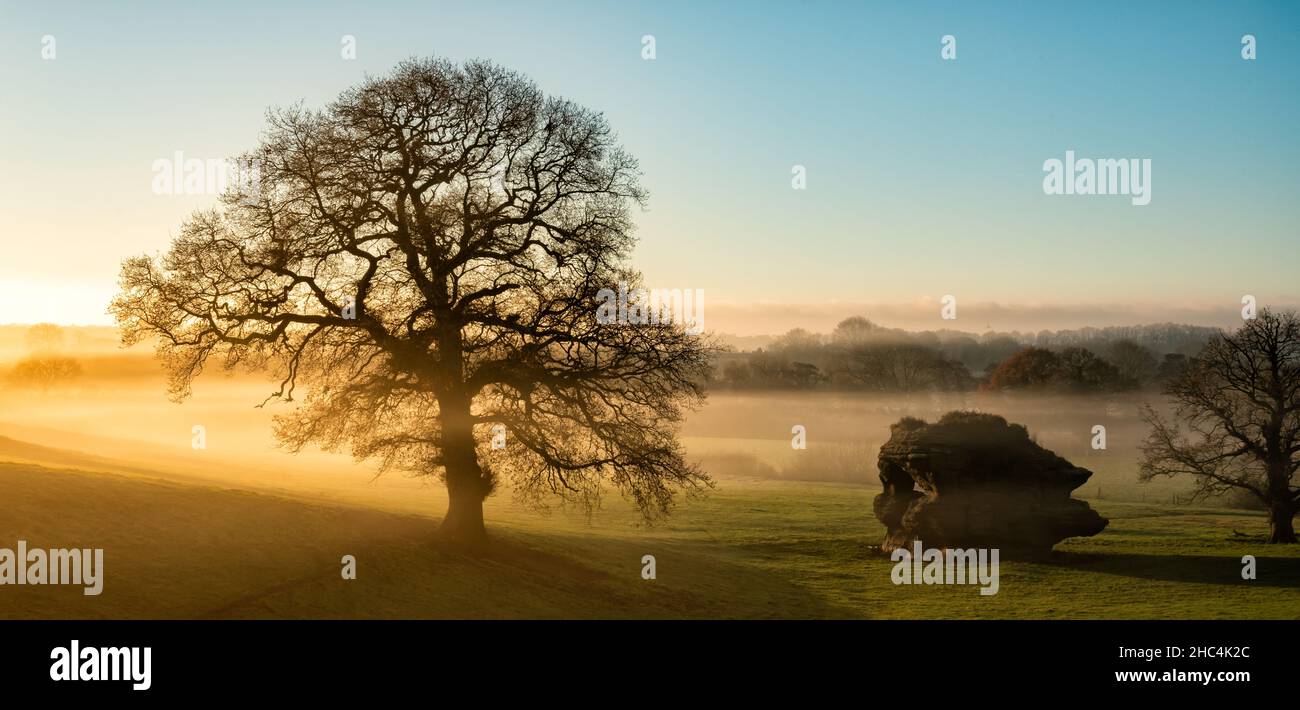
{"type": "Point", "coordinates": [1152, 561]}
{"type": "Point", "coordinates": [751, 549]}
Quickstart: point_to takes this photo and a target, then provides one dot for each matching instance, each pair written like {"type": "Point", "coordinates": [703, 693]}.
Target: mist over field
{"type": "Point", "coordinates": [741, 435]}
{"type": "Point", "coordinates": [243, 529]}
{"type": "Point", "coordinates": [115, 413]}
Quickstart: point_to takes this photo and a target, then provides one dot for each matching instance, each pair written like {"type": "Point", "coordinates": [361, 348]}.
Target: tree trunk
{"type": "Point", "coordinates": [467, 485]}
{"type": "Point", "coordinates": [464, 520]}
{"type": "Point", "coordinates": [1281, 527]}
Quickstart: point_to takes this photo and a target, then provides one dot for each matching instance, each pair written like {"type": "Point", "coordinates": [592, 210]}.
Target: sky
{"type": "Point", "coordinates": [924, 176]}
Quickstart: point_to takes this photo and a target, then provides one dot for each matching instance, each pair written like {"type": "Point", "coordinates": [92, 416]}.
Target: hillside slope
{"type": "Point", "coordinates": [752, 549]}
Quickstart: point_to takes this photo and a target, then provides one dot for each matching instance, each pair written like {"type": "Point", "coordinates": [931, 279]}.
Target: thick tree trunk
{"type": "Point", "coordinates": [464, 520]}
{"type": "Point", "coordinates": [1281, 525]}
{"type": "Point", "coordinates": [467, 485]}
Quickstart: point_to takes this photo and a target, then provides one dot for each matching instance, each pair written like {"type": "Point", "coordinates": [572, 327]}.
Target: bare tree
{"type": "Point", "coordinates": [1240, 403]}
{"type": "Point", "coordinates": [44, 338]}
{"type": "Point", "coordinates": [1135, 363]}
{"type": "Point", "coordinates": [425, 257]}
{"type": "Point", "coordinates": [45, 371]}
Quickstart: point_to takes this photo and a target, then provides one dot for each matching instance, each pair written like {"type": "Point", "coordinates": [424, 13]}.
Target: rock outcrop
{"type": "Point", "coordinates": [973, 480]}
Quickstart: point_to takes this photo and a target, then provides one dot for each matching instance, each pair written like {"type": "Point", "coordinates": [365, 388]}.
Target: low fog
{"type": "Point", "coordinates": [109, 411]}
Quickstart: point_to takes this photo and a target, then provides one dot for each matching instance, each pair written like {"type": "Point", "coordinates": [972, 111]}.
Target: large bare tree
{"type": "Point", "coordinates": [1240, 403]}
{"type": "Point", "coordinates": [424, 259]}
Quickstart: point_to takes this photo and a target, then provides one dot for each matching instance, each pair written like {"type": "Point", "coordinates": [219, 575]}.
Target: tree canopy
{"type": "Point", "coordinates": [1238, 426]}
{"type": "Point", "coordinates": [423, 257]}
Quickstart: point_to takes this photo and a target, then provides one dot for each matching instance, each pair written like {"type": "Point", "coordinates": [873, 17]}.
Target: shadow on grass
{"type": "Point", "coordinates": [535, 576]}
{"type": "Point", "coordinates": [1198, 569]}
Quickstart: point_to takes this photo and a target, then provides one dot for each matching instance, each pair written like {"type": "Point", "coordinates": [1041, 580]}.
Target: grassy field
{"type": "Point", "coordinates": [751, 549]}
{"type": "Point", "coordinates": [243, 530]}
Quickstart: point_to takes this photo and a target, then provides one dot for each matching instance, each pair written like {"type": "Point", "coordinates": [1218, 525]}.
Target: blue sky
{"type": "Point", "coordinates": [924, 175]}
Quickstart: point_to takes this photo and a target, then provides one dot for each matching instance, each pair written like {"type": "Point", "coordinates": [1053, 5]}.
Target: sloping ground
{"type": "Point", "coordinates": [191, 551]}
{"type": "Point", "coordinates": [14, 450]}
{"type": "Point", "coordinates": [752, 549]}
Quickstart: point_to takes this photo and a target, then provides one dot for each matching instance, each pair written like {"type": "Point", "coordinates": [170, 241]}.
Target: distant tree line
{"type": "Point", "coordinates": [861, 355]}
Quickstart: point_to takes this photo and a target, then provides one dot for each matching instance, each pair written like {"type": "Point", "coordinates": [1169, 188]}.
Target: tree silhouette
{"type": "Point", "coordinates": [1029, 367]}
{"type": "Point", "coordinates": [44, 338]}
{"type": "Point", "coordinates": [45, 371]}
{"type": "Point", "coordinates": [45, 366]}
{"type": "Point", "coordinates": [424, 258]}
{"type": "Point", "coordinates": [1135, 363]}
{"type": "Point", "coordinates": [1083, 370]}
{"type": "Point", "coordinates": [1240, 401]}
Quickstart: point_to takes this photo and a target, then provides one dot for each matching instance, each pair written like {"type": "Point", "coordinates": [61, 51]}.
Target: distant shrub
{"type": "Point", "coordinates": [1030, 368]}
{"type": "Point", "coordinates": [1072, 369]}
{"type": "Point", "coordinates": [45, 371]}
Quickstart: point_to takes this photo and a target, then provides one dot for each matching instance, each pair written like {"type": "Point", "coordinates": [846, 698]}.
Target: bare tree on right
{"type": "Point", "coordinates": [1237, 423]}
